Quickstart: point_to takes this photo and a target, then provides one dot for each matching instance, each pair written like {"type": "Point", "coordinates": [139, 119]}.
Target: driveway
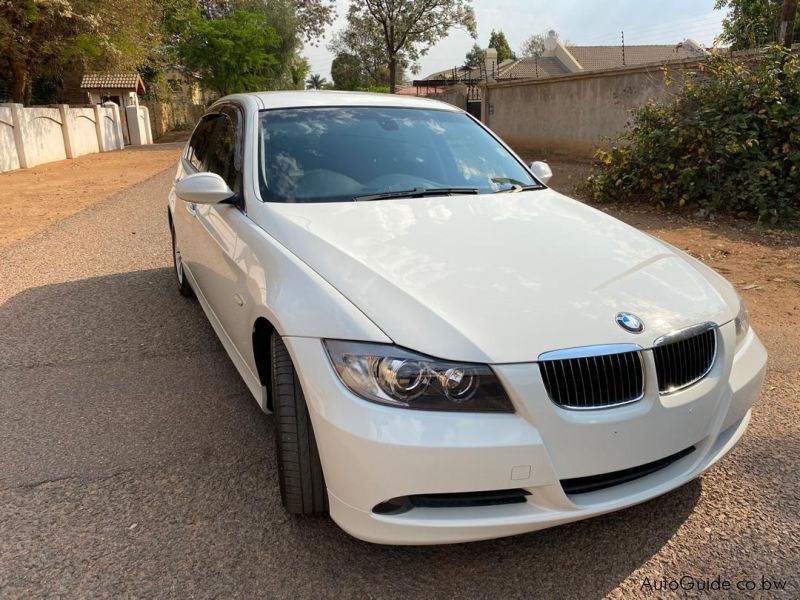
{"type": "Point", "coordinates": [134, 462]}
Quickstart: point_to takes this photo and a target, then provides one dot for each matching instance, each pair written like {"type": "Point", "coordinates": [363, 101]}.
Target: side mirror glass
{"type": "Point", "coordinates": [541, 170]}
{"type": "Point", "coordinates": [203, 188]}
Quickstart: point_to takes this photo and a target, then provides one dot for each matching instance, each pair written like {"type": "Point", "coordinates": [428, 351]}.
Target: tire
{"type": "Point", "coordinates": [183, 284]}
{"type": "Point", "coordinates": [302, 484]}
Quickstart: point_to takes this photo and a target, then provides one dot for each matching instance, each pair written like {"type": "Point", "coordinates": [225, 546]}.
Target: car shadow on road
{"type": "Point", "coordinates": [587, 559]}
{"type": "Point", "coordinates": [119, 379]}
{"type": "Point", "coordinates": [111, 373]}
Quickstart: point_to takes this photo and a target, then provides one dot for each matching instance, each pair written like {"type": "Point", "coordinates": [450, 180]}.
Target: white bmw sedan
{"type": "Point", "coordinates": [452, 350]}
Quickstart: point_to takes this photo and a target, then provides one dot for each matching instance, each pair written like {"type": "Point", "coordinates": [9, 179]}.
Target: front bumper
{"type": "Point", "coordinates": [372, 453]}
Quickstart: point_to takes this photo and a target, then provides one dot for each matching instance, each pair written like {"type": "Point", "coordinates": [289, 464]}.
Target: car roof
{"type": "Point", "coordinates": [310, 98]}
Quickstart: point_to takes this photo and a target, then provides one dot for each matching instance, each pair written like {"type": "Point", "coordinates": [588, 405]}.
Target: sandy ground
{"type": "Point", "coordinates": [33, 199]}
{"type": "Point", "coordinates": [178, 135]}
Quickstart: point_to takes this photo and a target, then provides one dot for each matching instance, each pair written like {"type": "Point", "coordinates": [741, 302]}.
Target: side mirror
{"type": "Point", "coordinates": [203, 188]}
{"type": "Point", "coordinates": [541, 170]}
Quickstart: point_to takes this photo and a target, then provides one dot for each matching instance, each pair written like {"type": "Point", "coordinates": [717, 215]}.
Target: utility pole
{"type": "Point", "coordinates": [786, 28]}
{"type": "Point", "coordinates": [623, 47]}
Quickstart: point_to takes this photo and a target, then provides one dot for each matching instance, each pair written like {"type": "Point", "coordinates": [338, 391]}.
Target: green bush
{"type": "Point", "coordinates": [728, 143]}
{"type": "Point", "coordinates": [376, 89]}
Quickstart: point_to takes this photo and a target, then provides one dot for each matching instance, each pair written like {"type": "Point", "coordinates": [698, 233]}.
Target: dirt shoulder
{"type": "Point", "coordinates": [33, 199]}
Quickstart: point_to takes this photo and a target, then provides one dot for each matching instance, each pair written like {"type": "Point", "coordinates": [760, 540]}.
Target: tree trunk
{"type": "Point", "coordinates": [20, 72]}
{"type": "Point", "coordinates": [393, 73]}
{"type": "Point", "coordinates": [787, 23]}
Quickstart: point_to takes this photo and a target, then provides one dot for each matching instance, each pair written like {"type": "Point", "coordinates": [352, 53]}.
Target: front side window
{"type": "Point", "coordinates": [341, 154]}
{"type": "Point", "coordinates": [223, 158]}
{"type": "Point", "coordinates": [201, 138]}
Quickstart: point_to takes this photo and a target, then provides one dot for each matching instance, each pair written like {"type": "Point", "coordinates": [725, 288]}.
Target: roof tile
{"type": "Point", "coordinates": [112, 81]}
{"type": "Point", "coordinates": [592, 58]}
{"type": "Point", "coordinates": [545, 66]}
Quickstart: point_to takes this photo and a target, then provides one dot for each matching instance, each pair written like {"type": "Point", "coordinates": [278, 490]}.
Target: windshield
{"type": "Point", "coordinates": [346, 153]}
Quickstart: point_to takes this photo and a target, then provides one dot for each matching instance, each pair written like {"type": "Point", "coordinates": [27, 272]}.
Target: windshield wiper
{"type": "Point", "coordinates": [516, 186]}
{"type": "Point", "coordinates": [416, 193]}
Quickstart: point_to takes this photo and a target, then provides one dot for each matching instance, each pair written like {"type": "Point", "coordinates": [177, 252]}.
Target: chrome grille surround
{"type": "Point", "coordinates": [684, 357]}
{"type": "Point", "coordinates": [593, 377]}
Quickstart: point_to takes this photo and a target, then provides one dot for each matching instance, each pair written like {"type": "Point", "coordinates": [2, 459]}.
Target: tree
{"type": "Point", "coordinates": [224, 44]}
{"type": "Point", "coordinates": [533, 46]}
{"type": "Point", "coordinates": [298, 69]}
{"type": "Point", "coordinates": [474, 57]}
{"type": "Point", "coordinates": [310, 17]}
{"type": "Point", "coordinates": [498, 41]}
{"type": "Point", "coordinates": [751, 23]}
{"type": "Point", "coordinates": [316, 82]}
{"type": "Point", "coordinates": [346, 72]}
{"type": "Point", "coordinates": [361, 39]}
{"type": "Point", "coordinates": [296, 22]}
{"type": "Point", "coordinates": [237, 53]}
{"type": "Point", "coordinates": [39, 38]}
{"type": "Point", "coordinates": [34, 33]}
{"type": "Point", "coordinates": [313, 16]}
{"type": "Point", "coordinates": [285, 18]}
{"type": "Point", "coordinates": [408, 28]}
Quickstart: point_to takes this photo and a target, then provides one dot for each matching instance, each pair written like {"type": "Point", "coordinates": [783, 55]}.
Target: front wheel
{"type": "Point", "coordinates": [177, 261]}
{"type": "Point", "coordinates": [302, 485]}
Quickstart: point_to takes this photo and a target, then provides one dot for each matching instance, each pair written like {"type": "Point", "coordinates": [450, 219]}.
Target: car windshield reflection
{"type": "Point", "coordinates": [352, 153]}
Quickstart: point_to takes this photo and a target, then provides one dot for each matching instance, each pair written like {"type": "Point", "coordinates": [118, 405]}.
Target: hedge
{"type": "Point", "coordinates": [728, 143]}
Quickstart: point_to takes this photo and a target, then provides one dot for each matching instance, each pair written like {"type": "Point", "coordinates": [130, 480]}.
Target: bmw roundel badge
{"type": "Point", "coordinates": [630, 322]}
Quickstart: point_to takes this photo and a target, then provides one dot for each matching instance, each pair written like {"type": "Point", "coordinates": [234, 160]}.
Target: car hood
{"type": "Point", "coordinates": [499, 278]}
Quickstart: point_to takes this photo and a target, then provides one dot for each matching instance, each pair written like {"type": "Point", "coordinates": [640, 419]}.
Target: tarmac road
{"type": "Point", "coordinates": [134, 462]}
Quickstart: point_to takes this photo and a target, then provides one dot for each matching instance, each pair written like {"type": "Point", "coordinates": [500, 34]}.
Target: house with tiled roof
{"type": "Point", "coordinates": [558, 59]}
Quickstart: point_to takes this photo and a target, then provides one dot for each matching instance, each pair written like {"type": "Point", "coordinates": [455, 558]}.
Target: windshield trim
{"type": "Point", "coordinates": [506, 147]}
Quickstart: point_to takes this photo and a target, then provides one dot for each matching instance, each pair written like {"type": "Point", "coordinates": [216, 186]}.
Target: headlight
{"type": "Point", "coordinates": [398, 377]}
{"type": "Point", "coordinates": [742, 322]}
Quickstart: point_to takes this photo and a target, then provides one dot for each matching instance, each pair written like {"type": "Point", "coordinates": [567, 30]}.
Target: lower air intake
{"type": "Point", "coordinates": [403, 504]}
{"type": "Point", "coordinates": [594, 483]}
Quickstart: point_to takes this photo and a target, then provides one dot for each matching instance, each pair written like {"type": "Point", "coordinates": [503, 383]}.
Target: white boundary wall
{"type": "Point", "coordinates": [139, 125]}
{"type": "Point", "coordinates": [80, 133]}
{"type": "Point", "coordinates": [42, 135]}
{"type": "Point", "coordinates": [36, 135]}
{"type": "Point", "coordinates": [8, 147]}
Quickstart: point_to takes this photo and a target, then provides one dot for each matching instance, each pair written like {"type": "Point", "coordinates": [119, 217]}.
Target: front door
{"type": "Point", "coordinates": [211, 245]}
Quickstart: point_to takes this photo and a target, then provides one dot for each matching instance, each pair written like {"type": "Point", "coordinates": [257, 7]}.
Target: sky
{"type": "Point", "coordinates": [582, 22]}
